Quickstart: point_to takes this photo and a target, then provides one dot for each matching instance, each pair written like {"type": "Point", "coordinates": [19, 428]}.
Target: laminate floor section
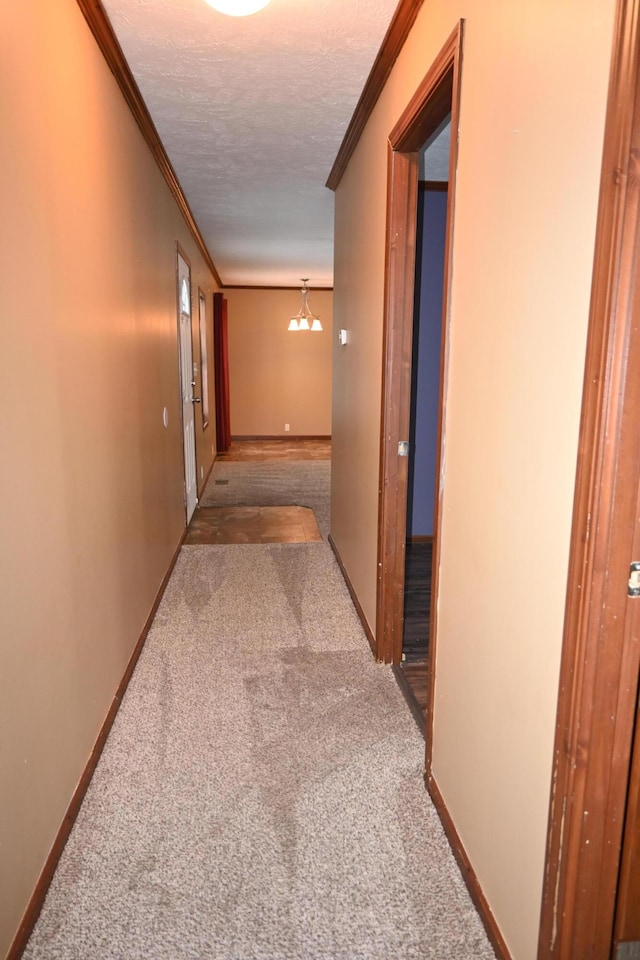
{"type": "Point", "coordinates": [417, 600]}
{"type": "Point", "coordinates": [212, 525]}
{"type": "Point", "coordinates": [412, 675]}
{"type": "Point", "coordinates": [312, 449]}
{"type": "Point", "coordinates": [413, 680]}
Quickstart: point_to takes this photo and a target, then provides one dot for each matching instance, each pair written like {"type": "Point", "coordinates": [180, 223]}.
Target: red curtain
{"type": "Point", "coordinates": [220, 344]}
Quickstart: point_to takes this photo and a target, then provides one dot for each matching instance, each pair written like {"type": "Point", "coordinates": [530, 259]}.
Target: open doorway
{"type": "Point", "coordinates": [412, 673]}
{"type": "Point", "coordinates": [434, 107]}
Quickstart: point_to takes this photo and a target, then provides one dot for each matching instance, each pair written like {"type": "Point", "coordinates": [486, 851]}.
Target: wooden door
{"type": "Point", "coordinates": [187, 385]}
{"type": "Point", "coordinates": [436, 97]}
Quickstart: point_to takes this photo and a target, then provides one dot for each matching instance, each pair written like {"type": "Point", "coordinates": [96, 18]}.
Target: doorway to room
{"type": "Point", "coordinates": [434, 106]}
{"type": "Point", "coordinates": [412, 673]}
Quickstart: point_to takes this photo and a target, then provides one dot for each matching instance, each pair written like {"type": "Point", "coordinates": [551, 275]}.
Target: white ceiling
{"type": "Point", "coordinates": [252, 112]}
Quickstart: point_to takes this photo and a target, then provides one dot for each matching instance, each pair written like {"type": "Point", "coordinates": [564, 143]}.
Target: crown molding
{"type": "Point", "coordinates": [102, 30]}
{"type": "Point", "coordinates": [401, 23]}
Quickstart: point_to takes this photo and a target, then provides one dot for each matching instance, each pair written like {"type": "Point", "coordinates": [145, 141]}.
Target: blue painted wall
{"type": "Point", "coordinates": [432, 219]}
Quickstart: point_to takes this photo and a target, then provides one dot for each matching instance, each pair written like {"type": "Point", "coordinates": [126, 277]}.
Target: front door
{"type": "Point", "coordinates": [186, 385]}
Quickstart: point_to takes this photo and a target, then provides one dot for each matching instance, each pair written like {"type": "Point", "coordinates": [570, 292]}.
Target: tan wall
{"type": "Point", "coordinates": [534, 86]}
{"type": "Point", "coordinates": [276, 376]}
{"type": "Point", "coordinates": [91, 483]}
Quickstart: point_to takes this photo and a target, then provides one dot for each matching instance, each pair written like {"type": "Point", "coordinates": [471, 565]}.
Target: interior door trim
{"type": "Point", "coordinates": [601, 648]}
{"type": "Point", "coordinates": [438, 93]}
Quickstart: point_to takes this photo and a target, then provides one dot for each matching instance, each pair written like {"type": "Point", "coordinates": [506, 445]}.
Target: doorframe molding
{"type": "Point", "coordinates": [601, 656]}
{"type": "Point", "coordinates": [436, 96]}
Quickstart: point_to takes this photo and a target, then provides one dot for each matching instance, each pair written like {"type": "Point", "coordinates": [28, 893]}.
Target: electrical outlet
{"type": "Point", "coordinates": [286, 428]}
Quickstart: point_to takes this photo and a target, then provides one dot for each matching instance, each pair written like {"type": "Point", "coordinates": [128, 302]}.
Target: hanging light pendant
{"type": "Point", "coordinates": [305, 319]}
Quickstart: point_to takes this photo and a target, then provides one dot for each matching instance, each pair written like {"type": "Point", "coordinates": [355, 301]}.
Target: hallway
{"type": "Point", "coordinates": [261, 792]}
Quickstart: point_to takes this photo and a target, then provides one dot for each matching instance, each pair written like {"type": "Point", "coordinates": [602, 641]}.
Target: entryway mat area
{"type": "Point", "coordinates": [253, 525]}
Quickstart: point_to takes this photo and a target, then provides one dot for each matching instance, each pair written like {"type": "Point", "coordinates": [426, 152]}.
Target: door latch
{"type": "Point", "coordinates": [403, 451]}
{"type": "Point", "coordinates": [633, 586]}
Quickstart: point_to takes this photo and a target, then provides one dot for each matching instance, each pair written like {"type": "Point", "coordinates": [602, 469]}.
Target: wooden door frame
{"type": "Point", "coordinates": [437, 95]}
{"type": "Point", "coordinates": [601, 656]}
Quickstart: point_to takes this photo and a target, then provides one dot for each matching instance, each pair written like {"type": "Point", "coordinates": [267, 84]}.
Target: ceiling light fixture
{"type": "Point", "coordinates": [238, 8]}
{"type": "Point", "coordinates": [304, 315]}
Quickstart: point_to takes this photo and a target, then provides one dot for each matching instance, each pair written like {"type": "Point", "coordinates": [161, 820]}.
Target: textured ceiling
{"type": "Point", "coordinates": [252, 112]}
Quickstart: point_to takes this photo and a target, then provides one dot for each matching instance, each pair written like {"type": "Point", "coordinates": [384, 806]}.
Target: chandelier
{"type": "Point", "coordinates": [304, 318]}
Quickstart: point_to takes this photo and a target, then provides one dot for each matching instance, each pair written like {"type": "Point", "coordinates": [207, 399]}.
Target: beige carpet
{"type": "Point", "coordinates": [260, 796]}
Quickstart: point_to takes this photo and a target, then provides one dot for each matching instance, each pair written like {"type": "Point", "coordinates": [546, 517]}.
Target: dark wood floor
{"type": "Point", "coordinates": [417, 600]}
{"type": "Point", "coordinates": [253, 525]}
{"type": "Point", "coordinates": [413, 680]}
{"type": "Point", "coordinates": [311, 449]}
{"type": "Point", "coordinates": [412, 674]}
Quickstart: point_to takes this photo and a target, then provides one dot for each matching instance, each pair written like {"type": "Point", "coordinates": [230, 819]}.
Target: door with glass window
{"type": "Point", "coordinates": [187, 383]}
